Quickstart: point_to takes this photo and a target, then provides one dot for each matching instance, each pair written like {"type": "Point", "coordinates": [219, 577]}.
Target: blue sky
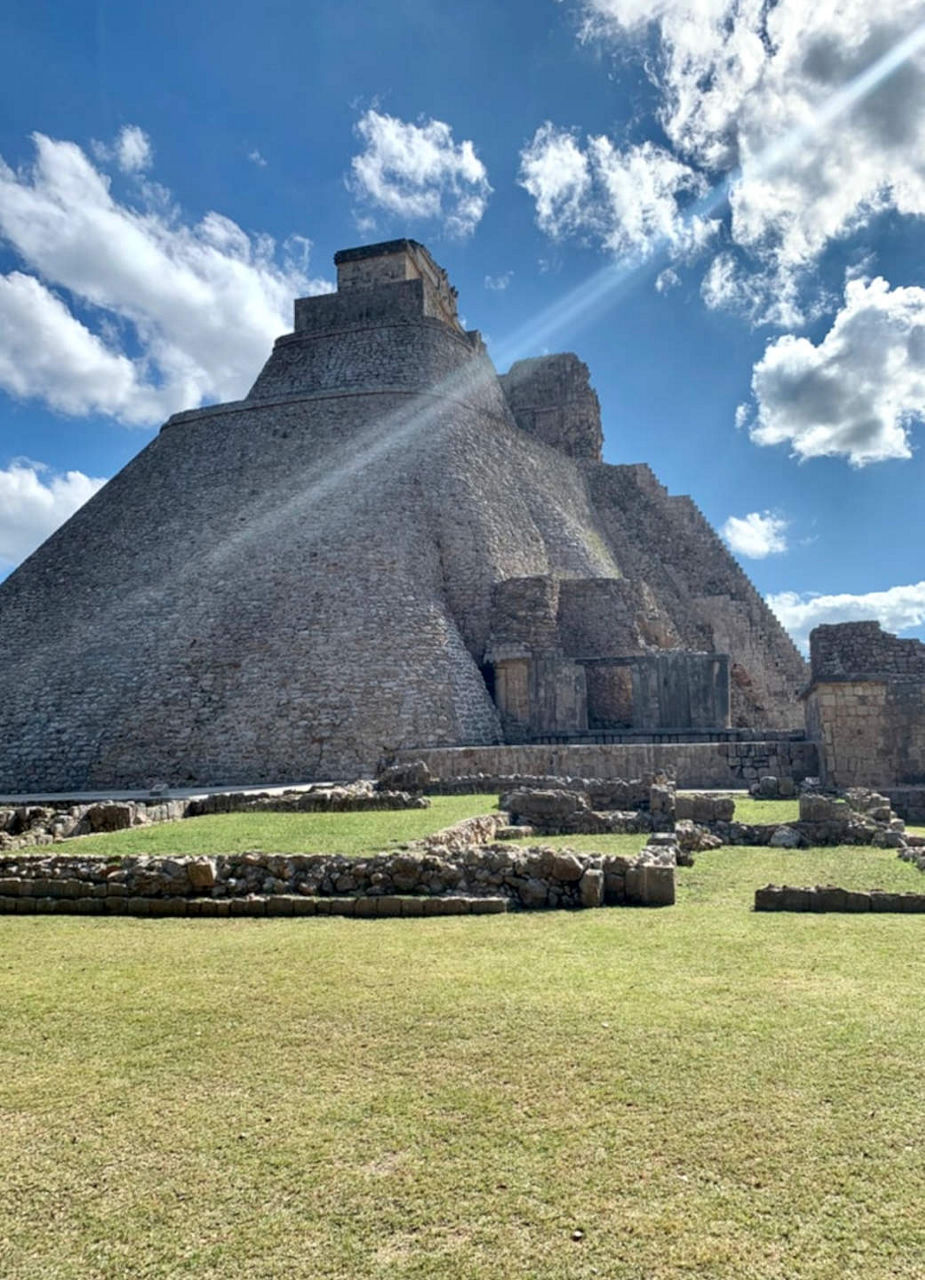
{"type": "Point", "coordinates": [174, 174]}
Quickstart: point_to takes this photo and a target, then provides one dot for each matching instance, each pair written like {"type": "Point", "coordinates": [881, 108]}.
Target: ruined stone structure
{"type": "Point", "coordinates": [383, 546]}
{"type": "Point", "coordinates": [866, 708]}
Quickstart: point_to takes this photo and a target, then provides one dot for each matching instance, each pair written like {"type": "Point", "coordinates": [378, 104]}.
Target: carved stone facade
{"type": "Point", "coordinates": [383, 546]}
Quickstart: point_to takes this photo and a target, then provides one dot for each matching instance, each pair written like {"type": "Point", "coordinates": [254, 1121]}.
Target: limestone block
{"type": "Point", "coordinates": [201, 873]}
{"type": "Point", "coordinates": [566, 867]}
{"type": "Point", "coordinates": [591, 888]}
{"type": "Point", "coordinates": [489, 906]}
{"type": "Point", "coordinates": [534, 893]}
{"type": "Point", "coordinates": [786, 838]}
{"type": "Point", "coordinates": [770, 898]}
{"type": "Point", "coordinates": [650, 885]}
{"type": "Point", "coordinates": [279, 904]}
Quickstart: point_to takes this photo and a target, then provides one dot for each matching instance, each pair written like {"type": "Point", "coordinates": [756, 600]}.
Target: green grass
{"type": "Point", "coordinates": [703, 1091]}
{"type": "Point", "coordinates": [758, 811]}
{"type": "Point", "coordinates": [347, 833]}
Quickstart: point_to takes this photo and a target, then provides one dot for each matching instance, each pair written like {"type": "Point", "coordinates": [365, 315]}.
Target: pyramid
{"type": "Point", "coordinates": [384, 545]}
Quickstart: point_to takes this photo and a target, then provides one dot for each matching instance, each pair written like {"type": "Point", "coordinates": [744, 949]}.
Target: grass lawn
{"type": "Point", "coordinates": [702, 1091]}
{"type": "Point", "coordinates": [347, 833]}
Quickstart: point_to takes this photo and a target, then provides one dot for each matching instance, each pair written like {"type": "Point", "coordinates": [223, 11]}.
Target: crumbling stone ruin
{"type": "Point", "coordinates": [460, 874]}
{"type": "Point", "coordinates": [383, 546]}
{"type": "Point", "coordinates": [866, 708]}
{"type": "Point", "coordinates": [24, 825]}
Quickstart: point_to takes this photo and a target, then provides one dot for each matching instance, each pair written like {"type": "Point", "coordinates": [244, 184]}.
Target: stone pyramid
{"type": "Point", "coordinates": [384, 545]}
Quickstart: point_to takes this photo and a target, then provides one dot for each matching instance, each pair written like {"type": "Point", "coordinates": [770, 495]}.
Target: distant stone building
{"type": "Point", "coordinates": [384, 546]}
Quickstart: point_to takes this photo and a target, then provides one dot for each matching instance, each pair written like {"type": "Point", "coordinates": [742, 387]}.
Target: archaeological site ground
{"type": "Point", "coordinates": [423, 854]}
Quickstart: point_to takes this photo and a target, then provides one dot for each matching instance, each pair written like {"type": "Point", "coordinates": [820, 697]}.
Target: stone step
{"type": "Point", "coordinates": [387, 906]}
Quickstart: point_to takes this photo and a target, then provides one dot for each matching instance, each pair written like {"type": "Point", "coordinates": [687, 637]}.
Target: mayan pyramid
{"type": "Point", "coordinates": [384, 545]}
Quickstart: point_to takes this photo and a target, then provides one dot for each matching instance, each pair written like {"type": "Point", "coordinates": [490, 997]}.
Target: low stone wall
{"type": "Point", "coordinates": [830, 898]}
{"type": "Point", "coordinates": [526, 879]}
{"type": "Point", "coordinates": [356, 798]}
{"type": "Point", "coordinates": [706, 765]}
{"type": "Point", "coordinates": [603, 793]}
{"type": "Point", "coordinates": [571, 810]}
{"type": "Point", "coordinates": [701, 808]}
{"type": "Point", "coordinates": [25, 825]}
{"type": "Point", "coordinates": [862, 818]}
{"type": "Point", "coordinates": [909, 803]}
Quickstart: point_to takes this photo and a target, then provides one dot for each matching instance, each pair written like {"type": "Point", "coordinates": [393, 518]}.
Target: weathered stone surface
{"type": "Point", "coordinates": [201, 873]}
{"type": "Point", "coordinates": [786, 838]}
{"type": "Point", "coordinates": [219, 675]}
{"type": "Point", "coordinates": [832, 898]}
{"type": "Point", "coordinates": [257, 883]}
{"type": "Point", "coordinates": [544, 809]}
{"type": "Point", "coordinates": [534, 893]}
{"type": "Point", "coordinates": [591, 888]}
{"type": "Point", "coordinates": [410, 775]}
{"type": "Point", "coordinates": [866, 706]}
{"type": "Point", "coordinates": [567, 867]}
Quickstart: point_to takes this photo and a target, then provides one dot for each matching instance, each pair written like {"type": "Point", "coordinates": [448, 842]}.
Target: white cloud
{"type": "Point", "coordinates": [202, 302]}
{"type": "Point", "coordinates": [46, 353]}
{"type": "Point", "coordinates": [729, 285]}
{"type": "Point", "coordinates": [557, 174]}
{"type": "Point", "coordinates": [417, 171]}
{"type": "Point", "coordinates": [33, 503]}
{"type": "Point", "coordinates": [744, 85]}
{"type": "Point", "coordinates": [896, 609]}
{"type": "Point", "coordinates": [133, 149]}
{"type": "Point", "coordinates": [856, 394]}
{"type": "Point", "coordinates": [667, 280]}
{"type": "Point", "coordinates": [497, 284]}
{"type": "Point", "coordinates": [631, 201]}
{"type": "Point", "coordinates": [756, 535]}
{"type": "Point", "coordinates": [256, 158]}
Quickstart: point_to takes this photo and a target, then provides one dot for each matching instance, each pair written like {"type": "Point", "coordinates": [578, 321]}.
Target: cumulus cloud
{"type": "Point", "coordinates": [855, 394]}
{"type": "Point", "coordinates": [729, 285]}
{"type": "Point", "coordinates": [47, 353]}
{"type": "Point", "coordinates": [632, 201]}
{"type": "Point", "coordinates": [756, 535]}
{"type": "Point", "coordinates": [131, 150]}
{"type": "Point", "coordinates": [667, 280]}
{"type": "Point", "coordinates": [896, 609]}
{"type": "Point", "coordinates": [743, 85]}
{"type": "Point", "coordinates": [134, 152]}
{"type": "Point", "coordinates": [418, 172]}
{"type": "Point", "coordinates": [34, 501]}
{"type": "Point", "coordinates": [200, 303]}
{"type": "Point", "coordinates": [257, 158]}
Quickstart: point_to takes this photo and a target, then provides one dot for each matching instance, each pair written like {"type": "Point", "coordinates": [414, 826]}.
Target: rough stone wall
{"type": "Point", "coordinates": [850, 649]}
{"type": "Point", "coordinates": [866, 706]}
{"type": "Point", "coordinates": [611, 617]}
{"type": "Point", "coordinates": [551, 397]}
{"type": "Point", "coordinates": [705, 600]}
{"type": "Point", "coordinates": [377, 339]}
{"type": "Point", "coordinates": [692, 764]}
{"type": "Point", "coordinates": [394, 261]}
{"type": "Point", "coordinates": [397, 884]}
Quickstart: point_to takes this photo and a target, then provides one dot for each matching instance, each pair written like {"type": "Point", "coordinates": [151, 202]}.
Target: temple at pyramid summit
{"type": "Point", "coordinates": [385, 547]}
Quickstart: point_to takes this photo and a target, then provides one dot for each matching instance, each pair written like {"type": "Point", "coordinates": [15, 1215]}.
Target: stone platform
{"type": "Point", "coordinates": [695, 765]}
